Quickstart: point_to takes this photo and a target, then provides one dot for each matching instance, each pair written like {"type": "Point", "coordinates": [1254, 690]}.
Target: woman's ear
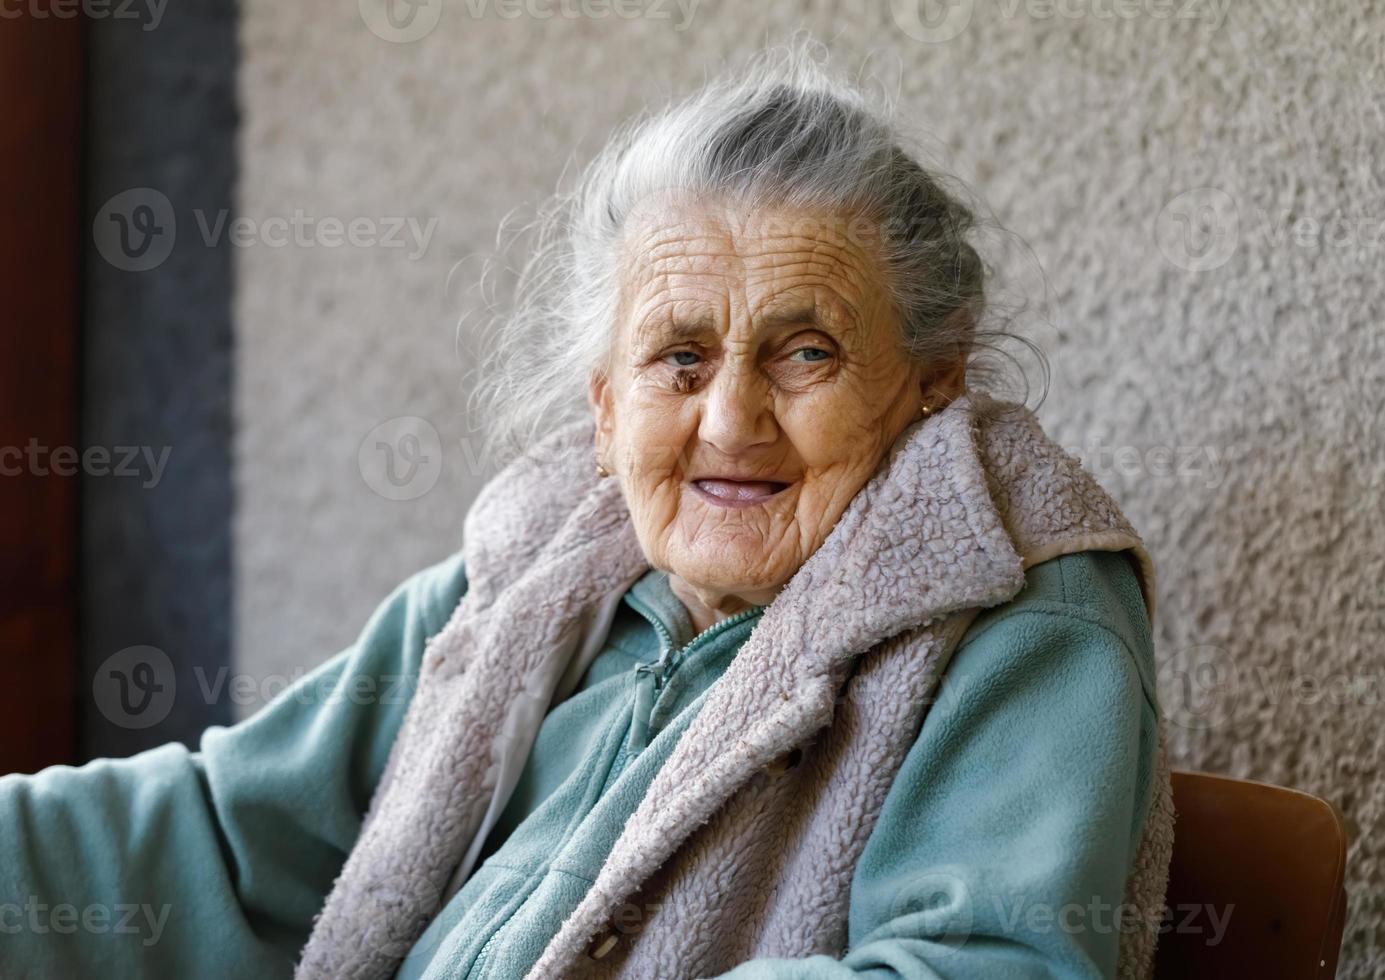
{"type": "Point", "coordinates": [599, 398]}
{"type": "Point", "coordinates": [945, 380]}
{"type": "Point", "coordinates": [943, 385]}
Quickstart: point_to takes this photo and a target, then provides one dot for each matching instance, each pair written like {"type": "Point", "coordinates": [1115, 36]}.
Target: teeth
{"type": "Point", "coordinates": [739, 489]}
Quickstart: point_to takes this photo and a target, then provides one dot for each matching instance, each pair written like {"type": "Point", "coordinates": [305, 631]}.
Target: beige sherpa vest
{"type": "Point", "coordinates": [723, 864]}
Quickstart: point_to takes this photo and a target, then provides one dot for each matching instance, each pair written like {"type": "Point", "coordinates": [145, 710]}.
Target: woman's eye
{"type": "Point", "coordinates": [810, 354]}
{"type": "Point", "coordinates": [682, 358]}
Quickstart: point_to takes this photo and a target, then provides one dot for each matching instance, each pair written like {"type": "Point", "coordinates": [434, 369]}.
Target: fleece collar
{"type": "Point", "coordinates": [953, 516]}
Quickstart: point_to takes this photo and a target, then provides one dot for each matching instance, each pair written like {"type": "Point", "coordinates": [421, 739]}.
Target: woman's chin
{"type": "Point", "coordinates": [730, 569]}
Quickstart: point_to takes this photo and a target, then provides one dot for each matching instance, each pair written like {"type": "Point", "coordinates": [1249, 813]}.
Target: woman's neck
{"type": "Point", "coordinates": [707, 607]}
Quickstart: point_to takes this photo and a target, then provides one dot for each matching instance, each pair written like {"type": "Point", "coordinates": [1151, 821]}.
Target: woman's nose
{"type": "Point", "coordinates": [737, 413]}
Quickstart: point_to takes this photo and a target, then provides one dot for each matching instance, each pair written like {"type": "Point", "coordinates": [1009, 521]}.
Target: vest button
{"type": "Point", "coordinates": [602, 945]}
{"type": "Point", "coordinates": [785, 762]}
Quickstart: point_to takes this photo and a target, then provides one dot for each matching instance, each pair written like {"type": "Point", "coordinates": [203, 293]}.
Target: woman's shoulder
{"type": "Point", "coordinates": [431, 594]}
{"type": "Point", "coordinates": [1083, 604]}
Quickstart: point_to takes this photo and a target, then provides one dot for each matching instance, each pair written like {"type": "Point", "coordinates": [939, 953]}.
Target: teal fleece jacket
{"type": "Point", "coordinates": [1027, 787]}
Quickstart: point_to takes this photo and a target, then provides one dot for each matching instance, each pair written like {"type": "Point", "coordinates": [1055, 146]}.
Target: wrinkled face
{"type": "Point", "coordinates": [755, 384]}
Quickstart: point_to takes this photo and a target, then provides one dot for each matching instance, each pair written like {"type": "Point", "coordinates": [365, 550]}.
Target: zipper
{"type": "Point", "coordinates": [729, 621]}
{"type": "Point", "coordinates": [664, 666]}
{"type": "Point", "coordinates": [650, 679]}
{"type": "Point", "coordinates": [478, 967]}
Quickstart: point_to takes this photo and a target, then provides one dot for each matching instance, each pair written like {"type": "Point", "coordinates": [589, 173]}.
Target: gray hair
{"type": "Point", "coordinates": [784, 131]}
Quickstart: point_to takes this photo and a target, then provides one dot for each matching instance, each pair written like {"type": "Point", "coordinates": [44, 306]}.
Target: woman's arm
{"type": "Point", "coordinates": [213, 863]}
{"type": "Point", "coordinates": [1005, 842]}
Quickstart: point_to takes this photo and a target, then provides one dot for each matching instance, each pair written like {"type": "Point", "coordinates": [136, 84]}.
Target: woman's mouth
{"type": "Point", "coordinates": [736, 493]}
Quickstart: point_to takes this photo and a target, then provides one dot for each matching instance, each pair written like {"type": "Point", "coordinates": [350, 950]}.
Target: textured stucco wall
{"type": "Point", "coordinates": [1202, 191]}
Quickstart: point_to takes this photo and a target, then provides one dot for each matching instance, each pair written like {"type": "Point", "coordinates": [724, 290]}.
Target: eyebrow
{"type": "Point", "coordinates": [651, 335]}
{"type": "Point", "coordinates": [823, 313]}
{"type": "Point", "coordinates": [791, 315]}
{"type": "Point", "coordinates": [683, 328]}
{"type": "Point", "coordinates": [686, 328]}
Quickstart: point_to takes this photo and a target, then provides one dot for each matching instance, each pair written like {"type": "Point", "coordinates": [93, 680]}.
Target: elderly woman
{"type": "Point", "coordinates": [792, 654]}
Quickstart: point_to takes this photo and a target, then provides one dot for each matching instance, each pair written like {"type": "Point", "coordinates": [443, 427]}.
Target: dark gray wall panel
{"type": "Point", "coordinates": [156, 559]}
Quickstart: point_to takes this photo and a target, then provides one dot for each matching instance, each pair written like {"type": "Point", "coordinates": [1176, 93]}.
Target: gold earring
{"type": "Point", "coordinates": [601, 471]}
{"type": "Point", "coordinates": [925, 411]}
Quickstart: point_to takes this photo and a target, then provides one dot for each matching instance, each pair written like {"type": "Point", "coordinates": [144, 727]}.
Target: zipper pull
{"type": "Point", "coordinates": [646, 685]}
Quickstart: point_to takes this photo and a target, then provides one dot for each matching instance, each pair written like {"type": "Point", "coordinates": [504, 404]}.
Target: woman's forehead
{"type": "Point", "coordinates": [687, 254]}
{"type": "Point", "coordinates": [714, 227]}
